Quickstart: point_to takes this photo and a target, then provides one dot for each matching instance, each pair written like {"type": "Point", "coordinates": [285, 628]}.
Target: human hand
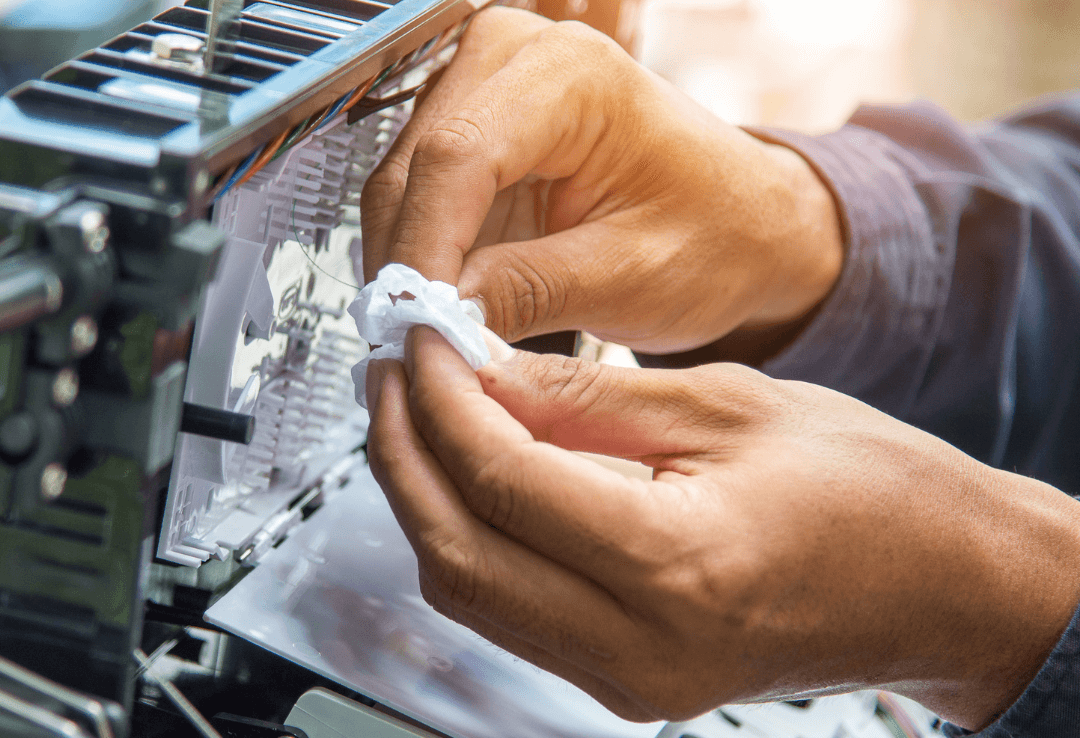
{"type": "Point", "coordinates": [793, 542]}
{"type": "Point", "coordinates": [562, 186]}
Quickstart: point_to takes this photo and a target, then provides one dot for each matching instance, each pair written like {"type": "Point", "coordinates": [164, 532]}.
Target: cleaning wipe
{"type": "Point", "coordinates": [399, 298]}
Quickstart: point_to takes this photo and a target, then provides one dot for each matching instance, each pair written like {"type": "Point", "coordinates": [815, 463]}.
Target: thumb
{"type": "Point", "coordinates": [585, 406]}
{"type": "Point", "coordinates": [574, 279]}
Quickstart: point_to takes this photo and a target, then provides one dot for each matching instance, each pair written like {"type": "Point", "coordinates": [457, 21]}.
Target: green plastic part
{"type": "Point", "coordinates": [136, 357]}
{"type": "Point", "coordinates": [11, 363]}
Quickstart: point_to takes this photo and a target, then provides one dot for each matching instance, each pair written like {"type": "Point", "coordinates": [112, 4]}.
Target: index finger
{"type": "Point", "coordinates": [474, 574]}
{"type": "Point", "coordinates": [493, 37]}
{"type": "Point", "coordinates": [526, 118]}
{"type": "Point", "coordinates": [566, 507]}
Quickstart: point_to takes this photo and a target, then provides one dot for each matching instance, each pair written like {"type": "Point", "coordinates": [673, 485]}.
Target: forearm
{"type": "Point", "coordinates": [1050, 706]}
{"type": "Point", "coordinates": [1011, 588]}
{"type": "Point", "coordinates": [888, 297]}
{"type": "Point", "coordinates": [951, 235]}
{"type": "Point", "coordinates": [956, 311]}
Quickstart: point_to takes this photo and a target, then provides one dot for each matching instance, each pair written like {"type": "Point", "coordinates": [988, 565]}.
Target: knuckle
{"type": "Point", "coordinates": [409, 229]}
{"type": "Point", "coordinates": [571, 382]}
{"type": "Point", "coordinates": [623, 705]}
{"type": "Point", "coordinates": [494, 35]}
{"type": "Point", "coordinates": [487, 20]}
{"type": "Point", "coordinates": [622, 93]}
{"type": "Point", "coordinates": [454, 139]}
{"type": "Point", "coordinates": [527, 297]}
{"type": "Point", "coordinates": [423, 401]}
{"type": "Point", "coordinates": [490, 492]}
{"type": "Point", "coordinates": [497, 25]}
{"type": "Point", "coordinates": [377, 457]}
{"type": "Point", "coordinates": [672, 692]}
{"type": "Point", "coordinates": [430, 593]}
{"type": "Point", "coordinates": [577, 36]}
{"type": "Point", "coordinates": [586, 47]}
{"type": "Point", "coordinates": [730, 591]}
{"type": "Point", "coordinates": [737, 394]}
{"type": "Point", "coordinates": [452, 572]}
{"type": "Point", "coordinates": [630, 710]}
{"type": "Point", "coordinates": [386, 184]}
{"type": "Point", "coordinates": [683, 704]}
{"type": "Point", "coordinates": [384, 458]}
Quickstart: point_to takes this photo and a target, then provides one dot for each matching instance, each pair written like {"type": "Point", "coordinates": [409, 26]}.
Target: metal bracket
{"type": "Point", "coordinates": [221, 33]}
{"type": "Point", "coordinates": [44, 708]}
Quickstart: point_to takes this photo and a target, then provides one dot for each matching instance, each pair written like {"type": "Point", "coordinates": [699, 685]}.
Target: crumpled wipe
{"type": "Point", "coordinates": [383, 317]}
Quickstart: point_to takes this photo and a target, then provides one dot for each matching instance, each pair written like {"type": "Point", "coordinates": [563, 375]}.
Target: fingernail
{"type": "Point", "coordinates": [480, 315]}
{"type": "Point", "coordinates": [500, 350]}
{"type": "Point", "coordinates": [376, 372]}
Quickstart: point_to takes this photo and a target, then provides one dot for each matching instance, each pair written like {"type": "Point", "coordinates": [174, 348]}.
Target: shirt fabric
{"type": "Point", "coordinates": [958, 306]}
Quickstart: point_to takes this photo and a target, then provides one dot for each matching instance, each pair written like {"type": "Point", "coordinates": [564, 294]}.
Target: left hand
{"type": "Point", "coordinates": [793, 541]}
{"type": "Point", "coordinates": [562, 186]}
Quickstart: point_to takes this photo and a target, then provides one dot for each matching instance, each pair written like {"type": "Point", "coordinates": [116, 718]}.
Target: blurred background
{"type": "Point", "coordinates": [807, 64]}
{"type": "Point", "coordinates": [36, 35]}
{"type": "Point", "coordinates": [802, 64]}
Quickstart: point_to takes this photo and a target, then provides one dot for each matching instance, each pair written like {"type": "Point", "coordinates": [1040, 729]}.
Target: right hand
{"type": "Point", "coordinates": [562, 186]}
{"type": "Point", "coordinates": [792, 543]}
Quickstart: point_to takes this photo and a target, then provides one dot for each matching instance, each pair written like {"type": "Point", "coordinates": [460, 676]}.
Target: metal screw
{"type": "Point", "coordinates": [29, 289]}
{"type": "Point", "coordinates": [53, 480]}
{"type": "Point", "coordinates": [18, 434]}
{"type": "Point", "coordinates": [95, 232]}
{"type": "Point", "coordinates": [84, 335]}
{"type": "Point", "coordinates": [179, 49]}
{"type": "Point", "coordinates": [65, 387]}
{"type": "Point", "coordinates": [202, 181]}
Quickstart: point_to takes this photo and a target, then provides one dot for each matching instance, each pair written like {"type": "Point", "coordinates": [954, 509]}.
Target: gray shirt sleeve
{"type": "Point", "coordinates": [958, 308]}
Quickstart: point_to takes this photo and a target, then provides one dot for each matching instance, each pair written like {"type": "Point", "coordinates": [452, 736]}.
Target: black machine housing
{"type": "Point", "coordinates": [105, 249]}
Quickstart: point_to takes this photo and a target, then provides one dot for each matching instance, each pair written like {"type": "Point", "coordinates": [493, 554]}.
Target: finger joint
{"type": "Point", "coordinates": [453, 570]}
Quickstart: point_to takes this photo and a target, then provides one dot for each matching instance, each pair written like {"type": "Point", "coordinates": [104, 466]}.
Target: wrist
{"type": "Point", "coordinates": [809, 245]}
{"type": "Point", "coordinates": [1019, 563]}
{"type": "Point", "coordinates": [809, 242]}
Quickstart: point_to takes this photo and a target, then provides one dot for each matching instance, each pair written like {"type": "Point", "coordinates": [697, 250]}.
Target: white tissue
{"type": "Point", "coordinates": [383, 318]}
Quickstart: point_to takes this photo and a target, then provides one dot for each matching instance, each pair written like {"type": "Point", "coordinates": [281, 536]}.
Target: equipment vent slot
{"type": "Point", "coordinates": [312, 20]}
{"type": "Point", "coordinates": [70, 618]}
{"type": "Point", "coordinates": [261, 33]}
{"type": "Point", "coordinates": [72, 105]}
{"type": "Point", "coordinates": [76, 75]}
{"type": "Point", "coordinates": [57, 532]}
{"type": "Point", "coordinates": [227, 85]}
{"type": "Point", "coordinates": [131, 86]}
{"type": "Point", "coordinates": [255, 51]}
{"type": "Point", "coordinates": [192, 19]}
{"type": "Point", "coordinates": [129, 41]}
{"type": "Point", "coordinates": [241, 65]}
{"type": "Point", "coordinates": [81, 506]}
{"type": "Point", "coordinates": [358, 9]}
